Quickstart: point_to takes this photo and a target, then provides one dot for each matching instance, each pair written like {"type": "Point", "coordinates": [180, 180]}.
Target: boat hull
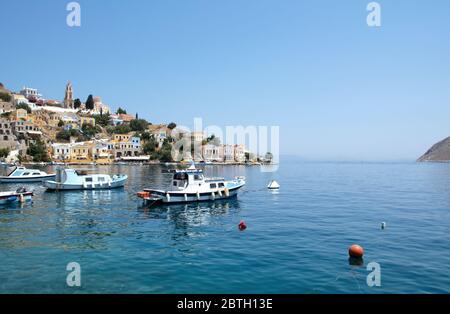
{"type": "Point", "coordinates": [14, 198]}
{"type": "Point", "coordinates": [175, 197]}
{"type": "Point", "coordinates": [55, 186]}
{"type": "Point", "coordinates": [27, 179]}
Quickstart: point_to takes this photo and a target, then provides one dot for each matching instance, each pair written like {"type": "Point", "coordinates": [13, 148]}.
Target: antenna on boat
{"type": "Point", "coordinates": [192, 167]}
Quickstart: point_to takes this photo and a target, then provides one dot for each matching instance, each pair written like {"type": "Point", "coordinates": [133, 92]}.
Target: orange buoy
{"type": "Point", "coordinates": [242, 226]}
{"type": "Point", "coordinates": [356, 251]}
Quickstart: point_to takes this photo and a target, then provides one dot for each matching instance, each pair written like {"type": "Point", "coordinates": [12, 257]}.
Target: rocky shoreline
{"type": "Point", "coordinates": [439, 152]}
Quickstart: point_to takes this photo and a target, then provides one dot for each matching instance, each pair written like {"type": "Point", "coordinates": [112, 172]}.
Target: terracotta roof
{"type": "Point", "coordinates": [126, 117]}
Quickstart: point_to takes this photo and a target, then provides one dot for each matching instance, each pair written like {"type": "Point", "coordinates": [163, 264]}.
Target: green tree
{"type": "Point", "coordinates": [121, 111]}
{"type": "Point", "coordinates": [38, 151]}
{"type": "Point", "coordinates": [102, 119]}
{"type": "Point", "coordinates": [172, 125]}
{"type": "Point", "coordinates": [150, 146]}
{"type": "Point", "coordinates": [61, 123]}
{"type": "Point", "coordinates": [165, 153]}
{"type": "Point", "coordinates": [122, 129]}
{"type": "Point", "coordinates": [89, 130]}
{"type": "Point", "coordinates": [23, 105]}
{"type": "Point", "coordinates": [77, 103]}
{"type": "Point", "coordinates": [146, 136]}
{"type": "Point", "coordinates": [5, 96]}
{"type": "Point", "coordinates": [90, 103]}
{"type": "Point", "coordinates": [138, 125]}
{"type": "Point", "coordinates": [65, 135]}
{"type": "Point", "coordinates": [4, 152]}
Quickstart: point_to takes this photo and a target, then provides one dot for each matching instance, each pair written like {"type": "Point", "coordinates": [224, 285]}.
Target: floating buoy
{"type": "Point", "coordinates": [242, 226]}
{"type": "Point", "coordinates": [355, 251]}
{"type": "Point", "coordinates": [273, 185]}
{"type": "Point", "coordinates": [383, 225]}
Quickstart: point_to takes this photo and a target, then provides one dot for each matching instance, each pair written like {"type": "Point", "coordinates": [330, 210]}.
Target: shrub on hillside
{"type": "Point", "coordinates": [38, 151]}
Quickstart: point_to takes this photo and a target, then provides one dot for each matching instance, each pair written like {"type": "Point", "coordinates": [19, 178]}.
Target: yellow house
{"type": "Point", "coordinates": [21, 114]}
{"type": "Point", "coordinates": [102, 152]}
{"type": "Point", "coordinates": [87, 120]}
{"type": "Point", "coordinates": [123, 137]}
{"type": "Point", "coordinates": [81, 152]}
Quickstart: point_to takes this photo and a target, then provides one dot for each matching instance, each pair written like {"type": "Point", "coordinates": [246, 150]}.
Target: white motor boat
{"type": "Point", "coordinates": [24, 175]}
{"type": "Point", "coordinates": [191, 186]}
{"type": "Point", "coordinates": [72, 179]}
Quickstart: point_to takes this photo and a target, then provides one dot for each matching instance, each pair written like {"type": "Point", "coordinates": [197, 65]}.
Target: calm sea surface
{"type": "Point", "coordinates": [296, 240]}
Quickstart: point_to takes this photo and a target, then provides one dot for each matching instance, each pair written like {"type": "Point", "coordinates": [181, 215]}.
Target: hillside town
{"type": "Point", "coordinates": [40, 130]}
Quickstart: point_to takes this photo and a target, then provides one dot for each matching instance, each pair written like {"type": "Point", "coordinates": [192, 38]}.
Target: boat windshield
{"type": "Point", "coordinates": [180, 176]}
{"type": "Point", "coordinates": [12, 171]}
{"type": "Point", "coordinates": [81, 172]}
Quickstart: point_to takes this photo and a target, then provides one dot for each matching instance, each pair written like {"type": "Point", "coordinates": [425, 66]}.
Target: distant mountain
{"type": "Point", "coordinates": [439, 152]}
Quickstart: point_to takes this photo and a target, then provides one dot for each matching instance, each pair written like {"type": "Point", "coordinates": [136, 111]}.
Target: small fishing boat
{"type": "Point", "coordinates": [191, 186]}
{"type": "Point", "coordinates": [21, 195]}
{"type": "Point", "coordinates": [73, 179]}
{"type": "Point", "coordinates": [24, 175]}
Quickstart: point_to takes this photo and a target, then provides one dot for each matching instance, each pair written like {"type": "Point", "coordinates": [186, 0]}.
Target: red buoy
{"type": "Point", "coordinates": [242, 226]}
{"type": "Point", "coordinates": [356, 251]}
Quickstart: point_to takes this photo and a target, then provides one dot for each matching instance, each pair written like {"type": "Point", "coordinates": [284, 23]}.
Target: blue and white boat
{"type": "Point", "coordinates": [21, 195]}
{"type": "Point", "coordinates": [72, 179]}
{"type": "Point", "coordinates": [191, 186]}
{"type": "Point", "coordinates": [24, 175]}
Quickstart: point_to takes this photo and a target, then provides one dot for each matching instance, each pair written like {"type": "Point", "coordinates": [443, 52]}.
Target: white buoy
{"type": "Point", "coordinates": [273, 185]}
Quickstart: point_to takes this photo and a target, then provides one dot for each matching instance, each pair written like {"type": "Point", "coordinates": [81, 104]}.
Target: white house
{"type": "Point", "coordinates": [228, 153]}
{"type": "Point", "coordinates": [61, 151]}
{"type": "Point", "coordinates": [239, 153]}
{"type": "Point", "coordinates": [212, 152]}
{"type": "Point", "coordinates": [30, 93]}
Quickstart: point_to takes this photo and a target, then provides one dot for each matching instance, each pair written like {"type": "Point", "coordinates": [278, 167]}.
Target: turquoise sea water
{"type": "Point", "coordinates": [296, 240]}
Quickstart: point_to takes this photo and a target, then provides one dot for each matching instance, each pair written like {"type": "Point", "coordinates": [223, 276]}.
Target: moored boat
{"type": "Point", "coordinates": [23, 175]}
{"type": "Point", "coordinates": [72, 179]}
{"type": "Point", "coordinates": [191, 186]}
{"type": "Point", "coordinates": [21, 195]}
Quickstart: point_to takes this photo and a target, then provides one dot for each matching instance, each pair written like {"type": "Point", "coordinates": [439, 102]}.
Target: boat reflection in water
{"type": "Point", "coordinates": [191, 215]}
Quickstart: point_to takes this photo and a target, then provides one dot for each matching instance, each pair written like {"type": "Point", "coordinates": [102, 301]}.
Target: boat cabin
{"type": "Point", "coordinates": [183, 179]}
{"type": "Point", "coordinates": [24, 172]}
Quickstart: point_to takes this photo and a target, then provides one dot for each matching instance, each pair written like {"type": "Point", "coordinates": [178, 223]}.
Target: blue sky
{"type": "Point", "coordinates": [337, 88]}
